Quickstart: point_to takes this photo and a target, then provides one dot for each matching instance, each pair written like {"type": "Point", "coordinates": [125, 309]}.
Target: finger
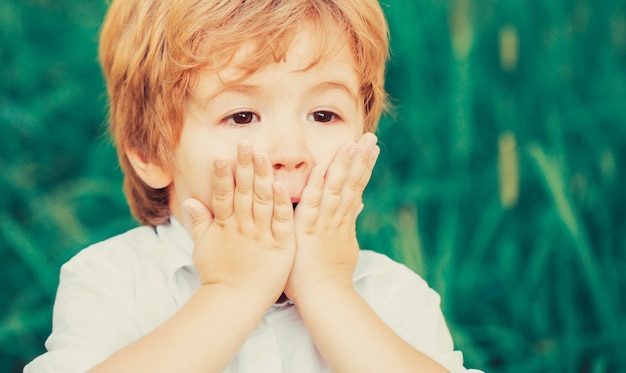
{"type": "Point", "coordinates": [244, 182]}
{"type": "Point", "coordinates": [223, 190]}
{"type": "Point", "coordinates": [263, 205]}
{"type": "Point", "coordinates": [201, 218]}
{"type": "Point", "coordinates": [358, 176]}
{"type": "Point", "coordinates": [365, 178]}
{"type": "Point", "coordinates": [335, 179]}
{"type": "Point", "coordinates": [357, 202]}
{"type": "Point", "coordinates": [282, 218]}
{"type": "Point", "coordinates": [308, 208]}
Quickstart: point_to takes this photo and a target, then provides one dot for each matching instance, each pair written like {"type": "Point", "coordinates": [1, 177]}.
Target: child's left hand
{"type": "Point", "coordinates": [325, 221]}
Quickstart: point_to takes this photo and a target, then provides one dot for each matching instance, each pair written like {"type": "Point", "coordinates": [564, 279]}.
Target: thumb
{"type": "Point", "coordinates": [201, 217]}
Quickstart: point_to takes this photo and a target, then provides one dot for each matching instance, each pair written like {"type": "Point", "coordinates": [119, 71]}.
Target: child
{"type": "Point", "coordinates": [244, 132]}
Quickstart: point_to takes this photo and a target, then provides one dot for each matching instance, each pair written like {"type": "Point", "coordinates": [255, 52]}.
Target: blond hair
{"type": "Point", "coordinates": [151, 50]}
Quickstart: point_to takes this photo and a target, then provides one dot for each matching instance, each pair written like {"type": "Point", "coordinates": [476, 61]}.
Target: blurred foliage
{"type": "Point", "coordinates": [500, 181]}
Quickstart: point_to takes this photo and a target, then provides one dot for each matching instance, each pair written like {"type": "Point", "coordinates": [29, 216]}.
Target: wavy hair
{"type": "Point", "coordinates": [151, 51]}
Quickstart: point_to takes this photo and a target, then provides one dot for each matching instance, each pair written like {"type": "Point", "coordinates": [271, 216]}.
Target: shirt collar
{"type": "Point", "coordinates": [177, 246]}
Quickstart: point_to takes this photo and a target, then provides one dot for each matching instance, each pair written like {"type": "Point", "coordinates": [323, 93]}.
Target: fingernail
{"type": "Point", "coordinates": [219, 162]}
{"type": "Point", "coordinates": [371, 141]}
{"type": "Point", "coordinates": [375, 152]}
{"type": "Point", "coordinates": [188, 208]}
{"type": "Point", "coordinates": [245, 148]}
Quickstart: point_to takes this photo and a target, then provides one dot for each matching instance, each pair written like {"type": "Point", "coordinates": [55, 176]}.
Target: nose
{"type": "Point", "coordinates": [291, 158]}
{"type": "Point", "coordinates": [288, 149]}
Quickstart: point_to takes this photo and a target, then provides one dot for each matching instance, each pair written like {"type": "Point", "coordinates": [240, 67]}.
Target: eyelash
{"type": "Point", "coordinates": [248, 117]}
{"type": "Point", "coordinates": [324, 116]}
{"type": "Point", "coordinates": [333, 116]}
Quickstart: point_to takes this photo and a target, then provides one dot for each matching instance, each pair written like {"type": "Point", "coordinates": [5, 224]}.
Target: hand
{"type": "Point", "coordinates": [247, 244]}
{"type": "Point", "coordinates": [325, 220]}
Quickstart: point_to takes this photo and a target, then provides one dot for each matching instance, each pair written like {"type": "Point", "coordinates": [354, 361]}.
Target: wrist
{"type": "Point", "coordinates": [325, 292]}
{"type": "Point", "coordinates": [254, 301]}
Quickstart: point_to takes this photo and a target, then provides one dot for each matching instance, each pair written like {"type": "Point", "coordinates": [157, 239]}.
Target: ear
{"type": "Point", "coordinates": [150, 173]}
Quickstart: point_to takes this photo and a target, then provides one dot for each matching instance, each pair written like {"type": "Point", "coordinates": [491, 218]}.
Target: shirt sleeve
{"type": "Point", "coordinates": [92, 316]}
{"type": "Point", "coordinates": [412, 309]}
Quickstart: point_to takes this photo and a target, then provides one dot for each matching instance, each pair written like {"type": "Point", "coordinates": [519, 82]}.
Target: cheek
{"type": "Point", "coordinates": [194, 179]}
{"type": "Point", "coordinates": [194, 172]}
{"type": "Point", "coordinates": [325, 151]}
{"type": "Point", "coordinates": [198, 150]}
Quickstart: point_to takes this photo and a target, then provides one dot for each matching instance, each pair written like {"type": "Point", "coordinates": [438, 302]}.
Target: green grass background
{"type": "Point", "coordinates": [501, 179]}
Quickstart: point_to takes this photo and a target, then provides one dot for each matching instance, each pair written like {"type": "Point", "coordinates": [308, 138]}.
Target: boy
{"type": "Point", "coordinates": [244, 132]}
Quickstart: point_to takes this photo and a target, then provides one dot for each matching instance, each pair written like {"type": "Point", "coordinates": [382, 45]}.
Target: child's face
{"type": "Point", "coordinates": [300, 118]}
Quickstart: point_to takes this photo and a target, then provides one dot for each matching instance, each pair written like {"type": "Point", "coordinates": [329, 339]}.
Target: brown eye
{"type": "Point", "coordinates": [243, 117]}
{"type": "Point", "coordinates": [324, 116]}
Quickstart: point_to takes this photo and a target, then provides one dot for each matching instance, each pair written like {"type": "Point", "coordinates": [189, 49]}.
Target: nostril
{"type": "Point", "coordinates": [282, 166]}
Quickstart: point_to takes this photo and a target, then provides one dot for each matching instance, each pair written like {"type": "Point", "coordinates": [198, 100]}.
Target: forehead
{"type": "Point", "coordinates": [307, 59]}
{"type": "Point", "coordinates": [303, 47]}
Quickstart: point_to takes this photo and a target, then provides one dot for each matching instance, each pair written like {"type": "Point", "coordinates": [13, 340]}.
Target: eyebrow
{"type": "Point", "coordinates": [247, 89]}
{"type": "Point", "coordinates": [324, 86]}
{"type": "Point", "coordinates": [244, 89]}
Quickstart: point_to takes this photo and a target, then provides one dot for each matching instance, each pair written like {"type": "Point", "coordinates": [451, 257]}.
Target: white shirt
{"type": "Point", "coordinates": [112, 293]}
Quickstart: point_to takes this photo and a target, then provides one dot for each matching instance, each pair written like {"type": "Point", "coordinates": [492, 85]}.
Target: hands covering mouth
{"type": "Point", "coordinates": [254, 245]}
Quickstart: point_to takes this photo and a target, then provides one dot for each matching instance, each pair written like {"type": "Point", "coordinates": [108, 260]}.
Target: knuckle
{"type": "Point", "coordinates": [196, 223]}
{"type": "Point", "coordinates": [262, 199]}
{"type": "Point", "coordinates": [315, 203]}
{"type": "Point", "coordinates": [282, 214]}
{"type": "Point", "coordinates": [371, 162]}
{"type": "Point", "coordinates": [280, 218]}
{"type": "Point", "coordinates": [354, 185]}
{"type": "Point", "coordinates": [245, 166]}
{"type": "Point", "coordinates": [365, 158]}
{"type": "Point", "coordinates": [221, 195]}
{"type": "Point", "coordinates": [262, 173]}
{"type": "Point", "coordinates": [334, 189]}
{"type": "Point", "coordinates": [220, 222]}
{"type": "Point", "coordinates": [243, 188]}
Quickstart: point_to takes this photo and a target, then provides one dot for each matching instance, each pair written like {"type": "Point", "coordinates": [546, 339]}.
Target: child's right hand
{"type": "Point", "coordinates": [247, 245]}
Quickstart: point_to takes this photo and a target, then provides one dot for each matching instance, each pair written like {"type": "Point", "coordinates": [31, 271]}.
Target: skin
{"type": "Point", "coordinates": [248, 151]}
